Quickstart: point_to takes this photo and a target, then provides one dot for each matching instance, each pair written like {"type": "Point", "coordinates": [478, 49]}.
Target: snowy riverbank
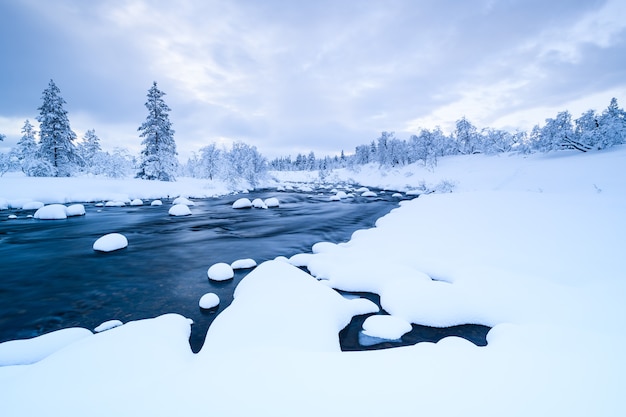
{"type": "Point", "coordinates": [533, 246]}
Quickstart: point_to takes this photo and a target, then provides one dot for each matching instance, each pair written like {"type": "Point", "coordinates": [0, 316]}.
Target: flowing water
{"type": "Point", "coordinates": [50, 277]}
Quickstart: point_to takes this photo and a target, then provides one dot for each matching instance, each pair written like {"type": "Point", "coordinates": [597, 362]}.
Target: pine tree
{"type": "Point", "coordinates": [26, 149]}
{"type": "Point", "coordinates": [56, 136]}
{"type": "Point", "coordinates": [158, 158]}
{"type": "Point", "coordinates": [89, 147]}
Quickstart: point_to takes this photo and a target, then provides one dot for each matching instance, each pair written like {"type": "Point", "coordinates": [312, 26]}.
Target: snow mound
{"type": "Point", "coordinates": [156, 203]}
{"type": "Point", "coordinates": [220, 272]}
{"type": "Point", "coordinates": [108, 325]}
{"type": "Point", "coordinates": [259, 203]}
{"type": "Point", "coordinates": [272, 202]}
{"type": "Point", "coordinates": [27, 351]}
{"type": "Point", "coordinates": [75, 210]}
{"type": "Point", "coordinates": [51, 212]}
{"type": "Point", "coordinates": [341, 195]}
{"type": "Point", "coordinates": [179, 210]}
{"type": "Point", "coordinates": [183, 200]}
{"type": "Point", "coordinates": [32, 205]}
{"type": "Point", "coordinates": [114, 204]}
{"type": "Point", "coordinates": [396, 195]}
{"type": "Point", "coordinates": [362, 190]}
{"type": "Point", "coordinates": [280, 307]}
{"type": "Point", "coordinates": [322, 247]}
{"type": "Point", "coordinates": [242, 203]}
{"type": "Point", "coordinates": [386, 327]}
{"type": "Point", "coordinates": [136, 202]}
{"type": "Point", "coordinates": [12, 216]}
{"type": "Point", "coordinates": [243, 264]}
{"type": "Point", "coordinates": [209, 300]}
{"type": "Point", "coordinates": [334, 198]}
{"type": "Point", "coordinates": [368, 194]}
{"type": "Point", "coordinates": [110, 243]}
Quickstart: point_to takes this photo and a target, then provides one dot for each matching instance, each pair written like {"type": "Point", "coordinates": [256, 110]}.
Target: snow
{"type": "Point", "coordinates": [209, 300]}
{"type": "Point", "coordinates": [183, 200]}
{"type": "Point", "coordinates": [259, 203]}
{"type": "Point", "coordinates": [110, 242]}
{"type": "Point", "coordinates": [51, 212]}
{"type": "Point", "coordinates": [243, 264]}
{"type": "Point", "coordinates": [114, 204]}
{"type": "Point", "coordinates": [12, 216]}
{"type": "Point", "coordinates": [32, 205]}
{"type": "Point", "coordinates": [272, 202]}
{"type": "Point", "coordinates": [136, 202]}
{"type": "Point", "coordinates": [242, 203]}
{"type": "Point", "coordinates": [386, 327]}
{"type": "Point", "coordinates": [531, 245]}
{"type": "Point", "coordinates": [179, 210]}
{"type": "Point", "coordinates": [107, 325]}
{"type": "Point", "coordinates": [75, 210]}
{"type": "Point", "coordinates": [156, 203]}
{"type": "Point", "coordinates": [220, 272]}
{"type": "Point", "coordinates": [26, 351]}
{"type": "Point", "coordinates": [368, 194]}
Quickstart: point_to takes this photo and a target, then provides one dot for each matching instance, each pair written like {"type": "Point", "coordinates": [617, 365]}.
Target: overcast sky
{"type": "Point", "coordinates": [294, 76]}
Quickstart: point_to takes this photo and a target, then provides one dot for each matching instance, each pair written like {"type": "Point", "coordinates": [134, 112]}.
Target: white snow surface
{"type": "Point", "coordinates": [242, 203]}
{"type": "Point", "coordinates": [220, 271]}
{"type": "Point", "coordinates": [179, 210]}
{"type": "Point", "coordinates": [75, 210]}
{"type": "Point", "coordinates": [27, 351]}
{"type": "Point", "coordinates": [209, 300]}
{"type": "Point", "coordinates": [107, 325]}
{"type": "Point", "coordinates": [243, 263]}
{"type": "Point", "coordinates": [183, 200]}
{"type": "Point", "coordinates": [51, 212]}
{"type": "Point", "coordinates": [110, 242]}
{"type": "Point", "coordinates": [259, 203]}
{"type": "Point", "coordinates": [136, 202]}
{"type": "Point", "coordinates": [156, 203]}
{"type": "Point", "coordinates": [386, 327]}
{"type": "Point", "coordinates": [272, 202]}
{"type": "Point", "coordinates": [532, 245]}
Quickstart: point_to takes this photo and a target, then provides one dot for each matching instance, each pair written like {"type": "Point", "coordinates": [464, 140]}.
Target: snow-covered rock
{"type": "Point", "coordinates": [368, 194]}
{"type": "Point", "coordinates": [386, 327]}
{"type": "Point", "coordinates": [108, 325]}
{"type": "Point", "coordinates": [243, 263]}
{"type": "Point", "coordinates": [12, 216]}
{"type": "Point", "coordinates": [114, 204]}
{"type": "Point", "coordinates": [397, 195]}
{"type": "Point", "coordinates": [27, 351]}
{"type": "Point", "coordinates": [32, 205]}
{"type": "Point", "coordinates": [242, 203]}
{"type": "Point", "coordinates": [220, 272]}
{"type": "Point", "coordinates": [51, 212]}
{"type": "Point", "coordinates": [75, 210]}
{"type": "Point", "coordinates": [156, 203]}
{"type": "Point", "coordinates": [334, 198]}
{"type": "Point", "coordinates": [137, 202]}
{"type": "Point", "coordinates": [272, 202]}
{"type": "Point", "coordinates": [259, 203]}
{"type": "Point", "coordinates": [183, 200]}
{"type": "Point", "coordinates": [321, 247]}
{"type": "Point", "coordinates": [110, 242]}
{"type": "Point", "coordinates": [179, 210]}
{"type": "Point", "coordinates": [209, 300]}
{"type": "Point", "coordinates": [362, 190]}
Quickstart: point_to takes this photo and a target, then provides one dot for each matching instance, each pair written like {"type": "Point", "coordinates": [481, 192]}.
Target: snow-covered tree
{"type": "Point", "coordinates": [210, 161]}
{"type": "Point", "coordinates": [466, 136]}
{"type": "Point", "coordinates": [56, 145]}
{"type": "Point", "coordinates": [612, 125]}
{"type": "Point", "coordinates": [158, 158]}
{"type": "Point", "coordinates": [25, 151]}
{"type": "Point", "coordinates": [89, 147]}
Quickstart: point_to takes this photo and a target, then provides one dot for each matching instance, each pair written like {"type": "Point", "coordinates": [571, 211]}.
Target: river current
{"type": "Point", "coordinates": [50, 277]}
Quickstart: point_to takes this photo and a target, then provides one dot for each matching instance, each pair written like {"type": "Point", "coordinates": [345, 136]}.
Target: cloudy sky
{"type": "Point", "coordinates": [294, 76]}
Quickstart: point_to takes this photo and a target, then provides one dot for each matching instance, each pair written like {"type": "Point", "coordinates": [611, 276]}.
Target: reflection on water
{"type": "Point", "coordinates": [50, 278]}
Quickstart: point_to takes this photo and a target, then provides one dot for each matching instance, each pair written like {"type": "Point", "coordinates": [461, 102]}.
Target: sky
{"type": "Point", "coordinates": [291, 77]}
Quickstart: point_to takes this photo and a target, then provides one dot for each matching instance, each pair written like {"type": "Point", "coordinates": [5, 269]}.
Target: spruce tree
{"type": "Point", "coordinates": [56, 137]}
{"type": "Point", "coordinates": [158, 158]}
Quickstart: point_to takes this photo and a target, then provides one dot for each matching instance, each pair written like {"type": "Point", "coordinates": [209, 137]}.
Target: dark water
{"type": "Point", "coordinates": [50, 278]}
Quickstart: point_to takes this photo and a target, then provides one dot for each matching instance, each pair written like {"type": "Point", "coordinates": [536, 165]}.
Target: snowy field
{"type": "Point", "coordinates": [533, 246]}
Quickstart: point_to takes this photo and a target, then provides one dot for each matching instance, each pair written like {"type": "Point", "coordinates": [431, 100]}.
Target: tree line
{"type": "Point", "coordinates": [54, 151]}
